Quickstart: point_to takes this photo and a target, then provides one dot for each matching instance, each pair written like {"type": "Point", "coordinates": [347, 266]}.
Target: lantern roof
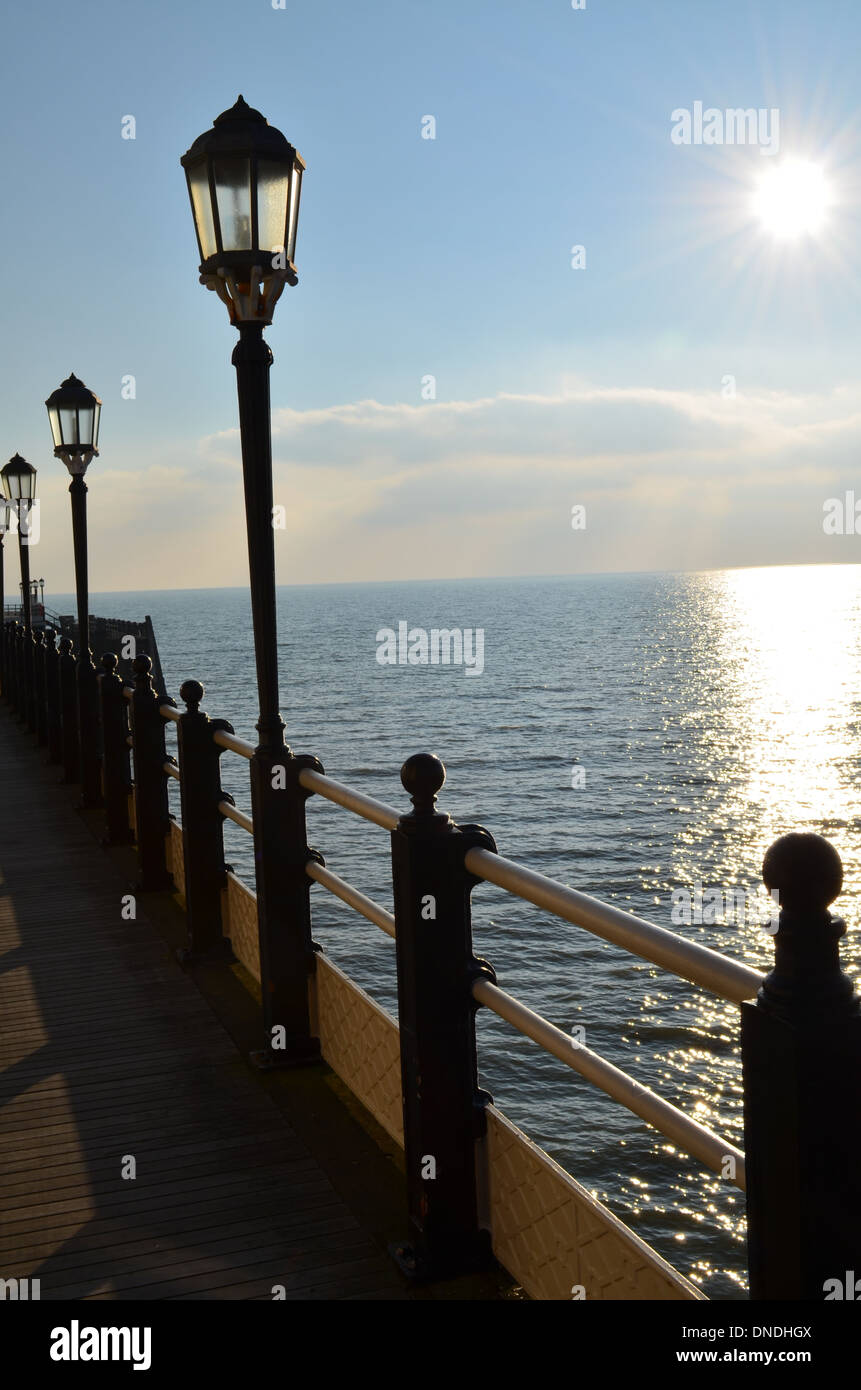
{"type": "Point", "coordinates": [72, 393]}
{"type": "Point", "coordinates": [241, 130]}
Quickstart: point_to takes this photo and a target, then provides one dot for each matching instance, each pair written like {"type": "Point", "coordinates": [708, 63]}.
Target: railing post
{"type": "Point", "coordinates": [30, 679]}
{"type": "Point", "coordinates": [443, 1105]}
{"type": "Point", "coordinates": [116, 768]}
{"type": "Point", "coordinates": [202, 823]}
{"type": "Point", "coordinates": [801, 1055]}
{"type": "Point", "coordinates": [52, 697]}
{"type": "Point", "coordinates": [40, 693]}
{"type": "Point", "coordinates": [9, 688]}
{"type": "Point", "coordinates": [281, 854]}
{"type": "Point", "coordinates": [152, 816]}
{"type": "Point", "coordinates": [68, 710]}
{"type": "Point", "coordinates": [17, 662]}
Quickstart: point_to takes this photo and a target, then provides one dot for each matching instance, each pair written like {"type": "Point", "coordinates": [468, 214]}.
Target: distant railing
{"type": "Point", "coordinates": [471, 1175]}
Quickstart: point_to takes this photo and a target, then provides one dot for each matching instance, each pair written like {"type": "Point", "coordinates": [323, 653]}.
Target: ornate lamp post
{"type": "Point", "coordinates": [74, 413]}
{"type": "Point", "coordinates": [244, 182]}
{"type": "Point", "coordinates": [19, 487]}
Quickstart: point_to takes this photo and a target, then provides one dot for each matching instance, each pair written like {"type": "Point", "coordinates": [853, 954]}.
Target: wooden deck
{"type": "Point", "coordinates": [109, 1050]}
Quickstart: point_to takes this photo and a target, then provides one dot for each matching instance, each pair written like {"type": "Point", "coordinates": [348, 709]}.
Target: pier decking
{"type": "Point", "coordinates": [144, 1155]}
{"type": "Point", "coordinates": [109, 1052]}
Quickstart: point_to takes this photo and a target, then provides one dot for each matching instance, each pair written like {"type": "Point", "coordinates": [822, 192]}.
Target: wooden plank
{"type": "Point", "coordinates": [107, 1048]}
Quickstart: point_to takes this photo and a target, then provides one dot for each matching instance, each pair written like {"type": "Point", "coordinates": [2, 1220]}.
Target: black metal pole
{"type": "Point", "coordinates": [801, 1056]}
{"type": "Point", "coordinates": [24, 557]}
{"type": "Point", "coordinates": [277, 800]}
{"type": "Point", "coordinates": [27, 705]}
{"type": "Point", "coordinates": [87, 678]}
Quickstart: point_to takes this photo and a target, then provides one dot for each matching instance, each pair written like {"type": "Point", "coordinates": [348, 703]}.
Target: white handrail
{"type": "Point", "coordinates": [693, 1137]}
{"type": "Point", "coordinates": [350, 895]}
{"type": "Point", "coordinates": [723, 976]}
{"type": "Point", "coordinates": [172, 770]}
{"type": "Point", "coordinates": [236, 745]}
{"type": "Point", "coordinates": [357, 802]}
{"type": "Point", "coordinates": [239, 817]}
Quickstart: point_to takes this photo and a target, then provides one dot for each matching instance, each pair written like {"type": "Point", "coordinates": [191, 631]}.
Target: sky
{"type": "Point", "coordinates": [451, 377]}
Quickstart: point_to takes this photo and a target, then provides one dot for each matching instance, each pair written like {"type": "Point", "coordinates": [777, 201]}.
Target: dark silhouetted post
{"type": "Point", "coordinates": [52, 697]}
{"type": "Point", "coordinates": [69, 710]}
{"type": "Point", "coordinates": [41, 702]}
{"type": "Point", "coordinates": [801, 1053]}
{"type": "Point", "coordinates": [443, 1106]}
{"type": "Point", "coordinates": [30, 678]}
{"type": "Point", "coordinates": [152, 816]}
{"type": "Point", "coordinates": [116, 767]}
{"type": "Point", "coordinates": [202, 823]}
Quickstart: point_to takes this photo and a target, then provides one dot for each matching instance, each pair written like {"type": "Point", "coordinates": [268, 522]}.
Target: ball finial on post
{"type": "Point", "coordinates": [191, 693]}
{"type": "Point", "coordinates": [806, 871]}
{"type": "Point", "coordinates": [422, 776]}
{"type": "Point", "coordinates": [110, 662]}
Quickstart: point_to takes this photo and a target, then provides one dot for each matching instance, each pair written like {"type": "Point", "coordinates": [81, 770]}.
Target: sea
{"type": "Point", "coordinates": [639, 737]}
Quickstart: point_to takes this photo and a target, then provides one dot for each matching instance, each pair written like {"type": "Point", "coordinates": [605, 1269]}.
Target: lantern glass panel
{"type": "Point", "coordinates": [85, 425]}
{"type": "Point", "coordinates": [273, 189]}
{"type": "Point", "coordinates": [54, 417]}
{"type": "Point", "coordinates": [294, 213]}
{"type": "Point", "coordinates": [96, 422]}
{"type": "Point", "coordinates": [198, 183]}
{"type": "Point", "coordinates": [233, 190]}
{"type": "Point", "coordinates": [69, 424]}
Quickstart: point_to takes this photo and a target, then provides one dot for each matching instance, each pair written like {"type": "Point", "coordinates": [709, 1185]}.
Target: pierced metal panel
{"type": "Point", "coordinates": [239, 917]}
{"type": "Point", "coordinates": [360, 1042]}
{"type": "Point", "coordinates": [552, 1235]}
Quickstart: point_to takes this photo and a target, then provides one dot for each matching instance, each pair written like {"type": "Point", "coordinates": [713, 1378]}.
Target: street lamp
{"type": "Point", "coordinates": [244, 183]}
{"type": "Point", "coordinates": [18, 478]}
{"type": "Point", "coordinates": [19, 488]}
{"type": "Point", "coordinates": [74, 413]}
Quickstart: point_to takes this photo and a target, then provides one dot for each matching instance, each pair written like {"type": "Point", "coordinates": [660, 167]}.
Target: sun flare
{"type": "Point", "coordinates": [792, 199]}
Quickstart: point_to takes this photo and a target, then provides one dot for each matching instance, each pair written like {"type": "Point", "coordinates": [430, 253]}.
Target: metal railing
{"type": "Point", "coordinates": [436, 867]}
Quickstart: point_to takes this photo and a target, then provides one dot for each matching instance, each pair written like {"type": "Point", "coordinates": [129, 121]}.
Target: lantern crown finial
{"type": "Point", "coordinates": [240, 111]}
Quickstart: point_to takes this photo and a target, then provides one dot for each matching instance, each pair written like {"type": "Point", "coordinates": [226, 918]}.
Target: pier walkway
{"type": "Point", "coordinates": [113, 1061]}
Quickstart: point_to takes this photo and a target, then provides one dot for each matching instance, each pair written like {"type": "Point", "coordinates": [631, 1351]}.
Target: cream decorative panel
{"type": "Point", "coordinates": [239, 917]}
{"type": "Point", "coordinates": [360, 1042]}
{"type": "Point", "coordinates": [551, 1234]}
{"type": "Point", "coordinates": [176, 858]}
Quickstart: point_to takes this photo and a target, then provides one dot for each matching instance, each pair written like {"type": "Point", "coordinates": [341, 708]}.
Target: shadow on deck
{"type": "Point", "coordinates": [111, 1053]}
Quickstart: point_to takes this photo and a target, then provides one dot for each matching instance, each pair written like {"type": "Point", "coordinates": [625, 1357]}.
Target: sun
{"type": "Point", "coordinates": [792, 199]}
